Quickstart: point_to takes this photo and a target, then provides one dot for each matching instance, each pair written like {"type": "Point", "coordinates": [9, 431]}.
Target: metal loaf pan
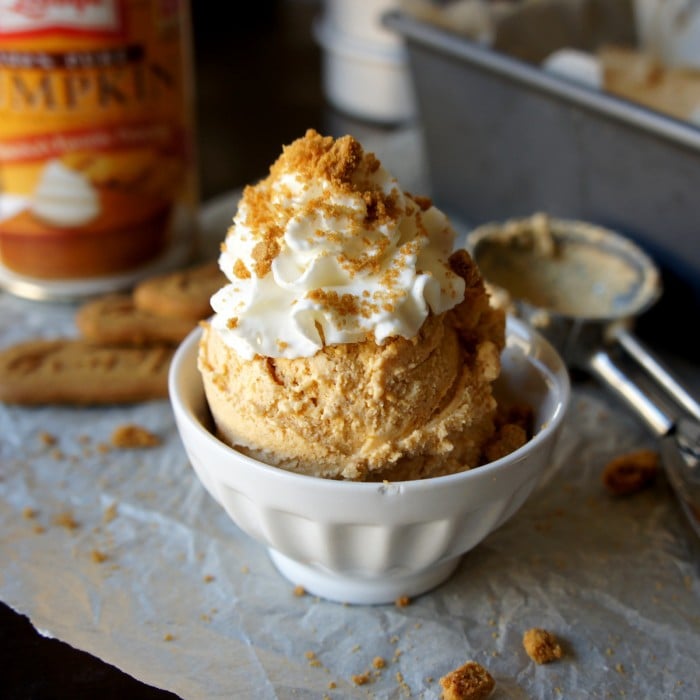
{"type": "Point", "coordinates": [505, 138]}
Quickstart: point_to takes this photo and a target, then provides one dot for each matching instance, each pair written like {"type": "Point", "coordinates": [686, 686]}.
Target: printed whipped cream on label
{"type": "Point", "coordinates": [64, 197]}
{"type": "Point", "coordinates": [329, 250]}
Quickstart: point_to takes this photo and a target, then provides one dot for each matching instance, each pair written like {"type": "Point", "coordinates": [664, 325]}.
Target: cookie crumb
{"type": "Point", "coordinates": [405, 688]}
{"type": "Point", "coordinates": [468, 682]}
{"type": "Point", "coordinates": [631, 472]}
{"type": "Point", "coordinates": [29, 513]}
{"type": "Point", "coordinates": [110, 513]}
{"type": "Point", "coordinates": [299, 591]}
{"type": "Point", "coordinates": [402, 601]}
{"type": "Point", "coordinates": [47, 439]}
{"type": "Point", "coordinates": [313, 661]}
{"type": "Point", "coordinates": [361, 679]}
{"type": "Point", "coordinates": [97, 556]}
{"type": "Point", "coordinates": [168, 637]}
{"type": "Point", "coordinates": [541, 646]}
{"type": "Point", "coordinates": [208, 578]}
{"type": "Point", "coordinates": [131, 435]}
{"type": "Point", "coordinates": [66, 520]}
{"type": "Point", "coordinates": [378, 662]}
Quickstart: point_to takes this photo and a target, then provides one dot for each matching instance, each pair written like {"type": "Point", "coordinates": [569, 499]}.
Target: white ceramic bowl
{"type": "Point", "coordinates": [373, 542]}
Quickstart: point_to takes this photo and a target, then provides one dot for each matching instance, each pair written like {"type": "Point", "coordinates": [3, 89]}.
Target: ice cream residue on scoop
{"type": "Point", "coordinates": [329, 250]}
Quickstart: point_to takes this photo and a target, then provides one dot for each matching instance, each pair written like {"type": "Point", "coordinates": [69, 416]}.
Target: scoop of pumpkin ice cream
{"type": "Point", "coordinates": [349, 342]}
{"type": "Point", "coordinates": [406, 409]}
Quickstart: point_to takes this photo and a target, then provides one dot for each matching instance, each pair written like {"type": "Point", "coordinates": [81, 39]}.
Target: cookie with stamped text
{"type": "Point", "coordinates": [77, 372]}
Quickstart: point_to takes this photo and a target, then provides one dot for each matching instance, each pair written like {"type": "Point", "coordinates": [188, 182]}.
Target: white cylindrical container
{"type": "Point", "coordinates": [366, 81]}
{"type": "Point", "coordinates": [365, 70]}
{"type": "Point", "coordinates": [361, 19]}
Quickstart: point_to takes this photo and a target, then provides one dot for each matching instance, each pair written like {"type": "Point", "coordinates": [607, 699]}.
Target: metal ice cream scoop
{"type": "Point", "coordinates": [582, 286]}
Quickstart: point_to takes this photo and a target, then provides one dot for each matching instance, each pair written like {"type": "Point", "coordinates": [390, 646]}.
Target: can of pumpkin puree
{"type": "Point", "coordinates": [98, 181]}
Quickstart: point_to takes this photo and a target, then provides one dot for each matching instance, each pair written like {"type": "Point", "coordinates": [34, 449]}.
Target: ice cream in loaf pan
{"type": "Point", "coordinates": [350, 341]}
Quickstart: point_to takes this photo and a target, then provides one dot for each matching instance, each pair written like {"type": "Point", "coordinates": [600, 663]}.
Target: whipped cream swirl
{"type": "Point", "coordinates": [329, 250]}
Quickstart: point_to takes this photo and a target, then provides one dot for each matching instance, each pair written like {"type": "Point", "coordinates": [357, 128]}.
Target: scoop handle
{"type": "Point", "coordinates": [656, 369]}
{"type": "Point", "coordinates": [602, 366]}
{"type": "Point", "coordinates": [679, 440]}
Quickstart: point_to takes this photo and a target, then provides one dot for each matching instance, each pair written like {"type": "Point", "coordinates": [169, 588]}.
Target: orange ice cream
{"type": "Point", "coordinates": [351, 343]}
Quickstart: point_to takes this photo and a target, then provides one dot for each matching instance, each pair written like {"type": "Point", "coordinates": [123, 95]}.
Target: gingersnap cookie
{"type": "Point", "coordinates": [182, 294]}
{"type": "Point", "coordinates": [67, 371]}
{"type": "Point", "coordinates": [115, 320]}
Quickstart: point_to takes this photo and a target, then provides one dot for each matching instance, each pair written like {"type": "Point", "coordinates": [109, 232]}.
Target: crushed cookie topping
{"type": "Point", "coordinates": [381, 208]}
{"type": "Point", "coordinates": [423, 202]}
{"type": "Point", "coordinates": [344, 306]}
{"type": "Point", "coordinates": [327, 249]}
{"type": "Point", "coordinates": [263, 254]}
{"type": "Point", "coordinates": [317, 156]}
{"type": "Point", "coordinates": [240, 270]}
{"type": "Point", "coordinates": [342, 163]}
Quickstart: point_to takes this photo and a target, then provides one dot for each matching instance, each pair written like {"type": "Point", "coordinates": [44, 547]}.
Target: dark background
{"type": "Point", "coordinates": [258, 81]}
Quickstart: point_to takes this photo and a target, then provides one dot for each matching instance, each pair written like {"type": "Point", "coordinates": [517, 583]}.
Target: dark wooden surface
{"type": "Point", "coordinates": [36, 668]}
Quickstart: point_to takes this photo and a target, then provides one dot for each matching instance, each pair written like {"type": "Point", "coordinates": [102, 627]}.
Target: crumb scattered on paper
{"type": "Point", "coordinates": [110, 513]}
{"type": "Point", "coordinates": [631, 472]}
{"type": "Point", "coordinates": [541, 646]}
{"type": "Point", "coordinates": [66, 520]}
{"type": "Point", "coordinates": [468, 682]}
{"type": "Point", "coordinates": [98, 556]}
{"type": "Point", "coordinates": [362, 678]}
{"type": "Point", "coordinates": [131, 435]}
{"type": "Point", "coordinates": [47, 439]}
